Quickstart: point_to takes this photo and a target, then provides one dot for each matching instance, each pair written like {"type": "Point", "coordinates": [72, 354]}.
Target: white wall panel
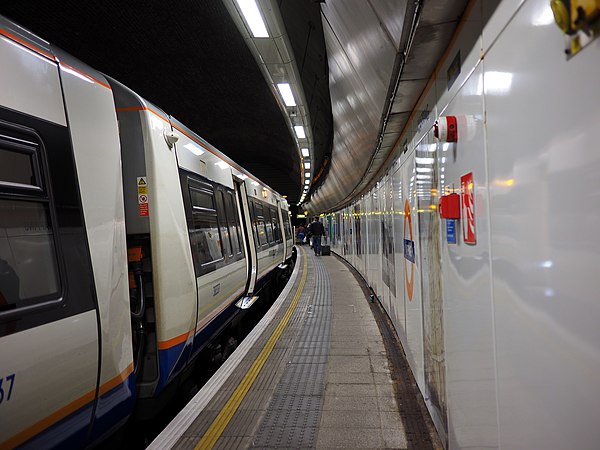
{"type": "Point", "coordinates": [412, 273]}
{"type": "Point", "coordinates": [467, 294]}
{"type": "Point", "coordinates": [388, 259]}
{"type": "Point", "coordinates": [544, 168]}
{"type": "Point", "coordinates": [399, 318]}
{"type": "Point", "coordinates": [375, 241]}
{"type": "Point", "coordinates": [429, 224]}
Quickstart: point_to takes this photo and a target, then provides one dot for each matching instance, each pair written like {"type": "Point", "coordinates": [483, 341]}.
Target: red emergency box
{"type": "Point", "coordinates": [450, 206]}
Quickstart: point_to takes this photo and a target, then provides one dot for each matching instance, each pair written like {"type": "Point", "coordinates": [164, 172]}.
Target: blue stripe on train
{"type": "Point", "coordinates": [70, 432]}
{"type": "Point", "coordinates": [173, 360]}
{"type": "Point", "coordinates": [114, 408]}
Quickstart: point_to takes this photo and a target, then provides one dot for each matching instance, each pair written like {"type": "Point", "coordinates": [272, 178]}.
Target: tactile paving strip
{"type": "Point", "coordinates": [293, 415]}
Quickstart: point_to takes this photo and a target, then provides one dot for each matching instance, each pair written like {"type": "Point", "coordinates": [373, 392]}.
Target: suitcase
{"type": "Point", "coordinates": [325, 250]}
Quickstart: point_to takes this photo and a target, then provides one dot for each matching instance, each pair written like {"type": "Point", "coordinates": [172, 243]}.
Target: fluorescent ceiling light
{"type": "Point", "coordinates": [424, 160]}
{"type": "Point", "coordinates": [306, 181]}
{"type": "Point", "coordinates": [222, 164]}
{"type": "Point", "coordinates": [253, 18]}
{"type": "Point", "coordinates": [286, 94]}
{"type": "Point", "coordinates": [299, 129]}
{"type": "Point", "coordinates": [305, 152]}
{"type": "Point", "coordinates": [307, 165]}
{"type": "Point", "coordinates": [306, 174]}
{"type": "Point", "coordinates": [194, 149]}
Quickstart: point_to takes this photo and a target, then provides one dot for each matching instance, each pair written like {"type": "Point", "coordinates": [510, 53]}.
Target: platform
{"type": "Point", "coordinates": [313, 373]}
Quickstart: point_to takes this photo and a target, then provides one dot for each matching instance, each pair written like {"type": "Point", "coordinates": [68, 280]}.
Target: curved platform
{"type": "Point", "coordinates": [313, 373]}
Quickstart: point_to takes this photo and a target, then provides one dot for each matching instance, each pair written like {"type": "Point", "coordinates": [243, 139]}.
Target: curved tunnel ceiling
{"type": "Point", "coordinates": [381, 56]}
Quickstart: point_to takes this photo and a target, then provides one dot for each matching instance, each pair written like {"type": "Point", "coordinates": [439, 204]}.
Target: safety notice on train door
{"type": "Point", "coordinates": [142, 191]}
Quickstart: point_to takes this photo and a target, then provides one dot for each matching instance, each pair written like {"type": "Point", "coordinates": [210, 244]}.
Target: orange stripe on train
{"type": "Point", "coordinates": [29, 45]}
{"type": "Point", "coordinates": [63, 412]}
{"type": "Point", "coordinates": [89, 77]}
{"type": "Point", "coordinates": [50, 56]}
{"type": "Point", "coordinates": [164, 345]}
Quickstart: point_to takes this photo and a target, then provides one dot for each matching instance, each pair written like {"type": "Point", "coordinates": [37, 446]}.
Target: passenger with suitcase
{"type": "Point", "coordinates": [325, 248]}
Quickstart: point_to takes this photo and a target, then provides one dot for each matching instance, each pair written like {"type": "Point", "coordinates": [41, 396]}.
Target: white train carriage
{"type": "Point", "coordinates": [202, 234]}
{"type": "Point", "coordinates": [108, 220]}
{"type": "Point", "coordinates": [497, 310]}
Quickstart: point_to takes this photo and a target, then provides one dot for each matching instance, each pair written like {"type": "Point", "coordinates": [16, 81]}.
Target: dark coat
{"type": "Point", "coordinates": [316, 229]}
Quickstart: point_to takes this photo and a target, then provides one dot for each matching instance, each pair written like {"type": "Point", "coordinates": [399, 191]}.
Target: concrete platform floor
{"type": "Point", "coordinates": [321, 370]}
{"type": "Point", "coordinates": [359, 408]}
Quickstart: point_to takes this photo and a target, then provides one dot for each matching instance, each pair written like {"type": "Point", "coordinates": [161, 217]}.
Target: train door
{"type": "Point", "coordinates": [49, 339]}
{"type": "Point", "coordinates": [284, 233]}
{"type": "Point", "coordinates": [247, 235]}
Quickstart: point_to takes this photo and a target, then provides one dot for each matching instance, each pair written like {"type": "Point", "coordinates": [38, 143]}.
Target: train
{"type": "Point", "coordinates": [128, 246]}
{"type": "Point", "coordinates": [479, 237]}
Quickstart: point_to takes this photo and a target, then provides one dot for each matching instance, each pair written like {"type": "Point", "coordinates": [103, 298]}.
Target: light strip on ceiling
{"type": "Point", "coordinates": [282, 70]}
{"type": "Point", "coordinates": [286, 93]}
{"type": "Point", "coordinates": [253, 18]}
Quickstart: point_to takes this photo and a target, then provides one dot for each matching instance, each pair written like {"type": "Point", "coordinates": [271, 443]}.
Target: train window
{"type": "Point", "coordinates": [204, 236]}
{"type": "Point", "coordinates": [288, 227]}
{"type": "Point", "coordinates": [224, 221]}
{"type": "Point", "coordinates": [261, 231]}
{"type": "Point", "coordinates": [202, 198]}
{"type": "Point", "coordinates": [19, 167]}
{"type": "Point", "coordinates": [275, 222]}
{"type": "Point", "coordinates": [234, 223]}
{"type": "Point", "coordinates": [269, 225]}
{"type": "Point", "coordinates": [28, 258]}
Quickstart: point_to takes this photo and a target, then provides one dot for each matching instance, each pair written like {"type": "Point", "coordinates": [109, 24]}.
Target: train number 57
{"type": "Point", "coordinates": [6, 383]}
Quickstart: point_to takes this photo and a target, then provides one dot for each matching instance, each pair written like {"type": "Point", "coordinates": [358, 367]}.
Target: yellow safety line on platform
{"type": "Point", "coordinates": [222, 420]}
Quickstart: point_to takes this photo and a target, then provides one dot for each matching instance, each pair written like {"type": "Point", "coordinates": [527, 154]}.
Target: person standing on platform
{"type": "Point", "coordinates": [316, 230]}
{"type": "Point", "coordinates": [301, 234]}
